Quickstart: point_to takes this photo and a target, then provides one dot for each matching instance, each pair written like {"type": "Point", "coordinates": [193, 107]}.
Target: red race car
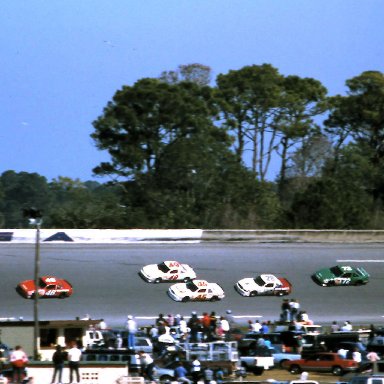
{"type": "Point", "coordinates": [49, 287]}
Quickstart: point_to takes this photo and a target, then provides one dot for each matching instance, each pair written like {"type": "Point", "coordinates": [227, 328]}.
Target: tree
{"type": "Point", "coordinates": [360, 115]}
{"type": "Point", "coordinates": [77, 206]}
{"type": "Point", "coordinates": [250, 97]}
{"type": "Point", "coordinates": [301, 101]}
{"type": "Point", "coordinates": [337, 201]}
{"type": "Point", "coordinates": [23, 190]}
{"type": "Point", "coordinates": [195, 73]}
{"type": "Point", "coordinates": [142, 120]}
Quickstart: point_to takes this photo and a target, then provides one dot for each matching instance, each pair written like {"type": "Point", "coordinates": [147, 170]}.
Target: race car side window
{"type": "Point", "coordinates": [269, 285]}
{"type": "Point", "coordinates": [174, 271]}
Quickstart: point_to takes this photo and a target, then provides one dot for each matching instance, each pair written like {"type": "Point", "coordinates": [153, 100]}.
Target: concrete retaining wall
{"type": "Point", "coordinates": [300, 235]}
{"type": "Point", "coordinates": [121, 236]}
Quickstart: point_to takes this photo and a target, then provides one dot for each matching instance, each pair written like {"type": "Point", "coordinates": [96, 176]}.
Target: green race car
{"type": "Point", "coordinates": [341, 275]}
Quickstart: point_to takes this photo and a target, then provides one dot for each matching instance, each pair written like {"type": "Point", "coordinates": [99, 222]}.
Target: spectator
{"type": "Point", "coordinates": [256, 326]}
{"type": "Point", "coordinates": [147, 365]}
{"type": "Point", "coordinates": [372, 356]}
{"type": "Point", "coordinates": [356, 355]}
{"type": "Point", "coordinates": [194, 327]}
{"type": "Point", "coordinates": [58, 359]}
{"type": "Point", "coordinates": [132, 329]}
{"type": "Point", "coordinates": [285, 311]}
{"type": "Point", "coordinates": [19, 360]}
{"type": "Point", "coordinates": [102, 325]}
{"type": "Point", "coordinates": [294, 307]}
{"type": "Point", "coordinates": [170, 320]}
{"type": "Point", "coordinates": [219, 375]}
{"type": "Point", "coordinates": [196, 369]}
{"type": "Point", "coordinates": [347, 327]}
{"type": "Point", "coordinates": [74, 356]}
{"type": "Point", "coordinates": [208, 375]}
{"type": "Point", "coordinates": [181, 373]}
{"type": "Point", "coordinates": [334, 327]}
{"type": "Point", "coordinates": [213, 324]}
{"type": "Point", "coordinates": [206, 326]}
{"type": "Point", "coordinates": [264, 328]}
{"type": "Point", "coordinates": [223, 327]}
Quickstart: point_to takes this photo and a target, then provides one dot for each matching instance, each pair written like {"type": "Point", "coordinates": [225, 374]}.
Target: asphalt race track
{"type": "Point", "coordinates": [106, 282]}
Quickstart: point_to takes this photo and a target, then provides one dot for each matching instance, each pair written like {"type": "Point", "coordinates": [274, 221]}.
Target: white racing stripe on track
{"type": "Point", "coordinates": [360, 261]}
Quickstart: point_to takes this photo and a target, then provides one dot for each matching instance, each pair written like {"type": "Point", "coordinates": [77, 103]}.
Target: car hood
{"type": "Point", "coordinates": [27, 285]}
{"type": "Point", "coordinates": [151, 270]}
{"type": "Point", "coordinates": [324, 274]}
{"type": "Point", "coordinates": [179, 288]}
{"type": "Point", "coordinates": [248, 283]}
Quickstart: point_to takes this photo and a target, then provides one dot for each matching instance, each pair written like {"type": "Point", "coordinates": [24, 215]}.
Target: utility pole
{"type": "Point", "coordinates": [35, 218]}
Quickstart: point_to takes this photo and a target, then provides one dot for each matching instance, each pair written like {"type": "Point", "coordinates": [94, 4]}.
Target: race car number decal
{"type": "Point", "coordinates": [173, 277]}
{"type": "Point", "coordinates": [52, 292]}
{"type": "Point", "coordinates": [174, 264]}
{"type": "Point", "coordinates": [202, 284]}
{"type": "Point", "coordinates": [342, 281]}
{"type": "Point", "coordinates": [50, 280]}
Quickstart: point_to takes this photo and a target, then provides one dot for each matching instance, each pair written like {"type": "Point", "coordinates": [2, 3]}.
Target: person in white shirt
{"type": "Point", "coordinates": [132, 329]}
{"type": "Point", "coordinates": [356, 356]}
{"type": "Point", "coordinates": [18, 359]}
{"type": "Point", "coordinates": [147, 365]}
{"type": "Point", "coordinates": [347, 327]}
{"type": "Point", "coordinates": [74, 356]}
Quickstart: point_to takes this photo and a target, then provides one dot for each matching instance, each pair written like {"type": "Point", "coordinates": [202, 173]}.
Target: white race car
{"type": "Point", "coordinates": [167, 271]}
{"type": "Point", "coordinates": [196, 290]}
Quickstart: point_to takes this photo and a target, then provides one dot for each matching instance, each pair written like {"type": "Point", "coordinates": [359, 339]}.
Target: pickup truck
{"type": "Point", "coordinates": [257, 360]}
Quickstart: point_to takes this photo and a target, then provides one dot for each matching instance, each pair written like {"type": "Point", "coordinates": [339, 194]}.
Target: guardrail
{"type": "Point", "coordinates": [123, 236]}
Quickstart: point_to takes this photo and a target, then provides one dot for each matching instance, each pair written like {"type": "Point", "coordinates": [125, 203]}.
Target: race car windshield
{"type": "Point", "coordinates": [192, 286]}
{"type": "Point", "coordinates": [336, 271]}
{"type": "Point", "coordinates": [163, 268]}
{"type": "Point", "coordinates": [259, 280]}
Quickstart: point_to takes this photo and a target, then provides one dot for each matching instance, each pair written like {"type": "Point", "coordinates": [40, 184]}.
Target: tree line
{"type": "Point", "coordinates": [188, 154]}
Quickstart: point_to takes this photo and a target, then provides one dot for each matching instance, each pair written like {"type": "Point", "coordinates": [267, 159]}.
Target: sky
{"type": "Point", "coordinates": [61, 61]}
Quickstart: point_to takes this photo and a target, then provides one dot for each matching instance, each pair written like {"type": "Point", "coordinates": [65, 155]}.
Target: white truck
{"type": "Point", "coordinates": [256, 360]}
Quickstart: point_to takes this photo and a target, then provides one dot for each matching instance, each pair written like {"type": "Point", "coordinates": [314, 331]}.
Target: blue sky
{"type": "Point", "coordinates": [62, 61]}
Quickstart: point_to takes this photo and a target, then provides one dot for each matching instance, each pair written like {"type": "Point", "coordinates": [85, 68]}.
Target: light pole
{"type": "Point", "coordinates": [35, 218]}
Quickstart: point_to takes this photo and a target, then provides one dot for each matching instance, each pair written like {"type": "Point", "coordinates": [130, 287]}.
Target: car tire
{"type": "Point", "coordinates": [253, 294]}
{"type": "Point", "coordinates": [295, 369]}
{"type": "Point", "coordinates": [359, 282]}
{"type": "Point", "coordinates": [214, 298]}
{"type": "Point", "coordinates": [281, 364]}
{"type": "Point", "coordinates": [337, 371]}
{"type": "Point", "coordinates": [63, 296]}
{"type": "Point", "coordinates": [157, 280]}
{"type": "Point", "coordinates": [185, 299]}
{"type": "Point", "coordinates": [258, 371]}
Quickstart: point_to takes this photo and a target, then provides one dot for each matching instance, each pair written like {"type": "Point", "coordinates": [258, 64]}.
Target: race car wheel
{"type": "Point", "coordinates": [158, 280]}
{"type": "Point", "coordinates": [337, 371]}
{"type": "Point", "coordinates": [185, 299]}
{"type": "Point", "coordinates": [253, 293]}
{"type": "Point", "coordinates": [294, 369]}
{"type": "Point", "coordinates": [63, 296]}
{"type": "Point", "coordinates": [214, 298]}
{"type": "Point", "coordinates": [359, 282]}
